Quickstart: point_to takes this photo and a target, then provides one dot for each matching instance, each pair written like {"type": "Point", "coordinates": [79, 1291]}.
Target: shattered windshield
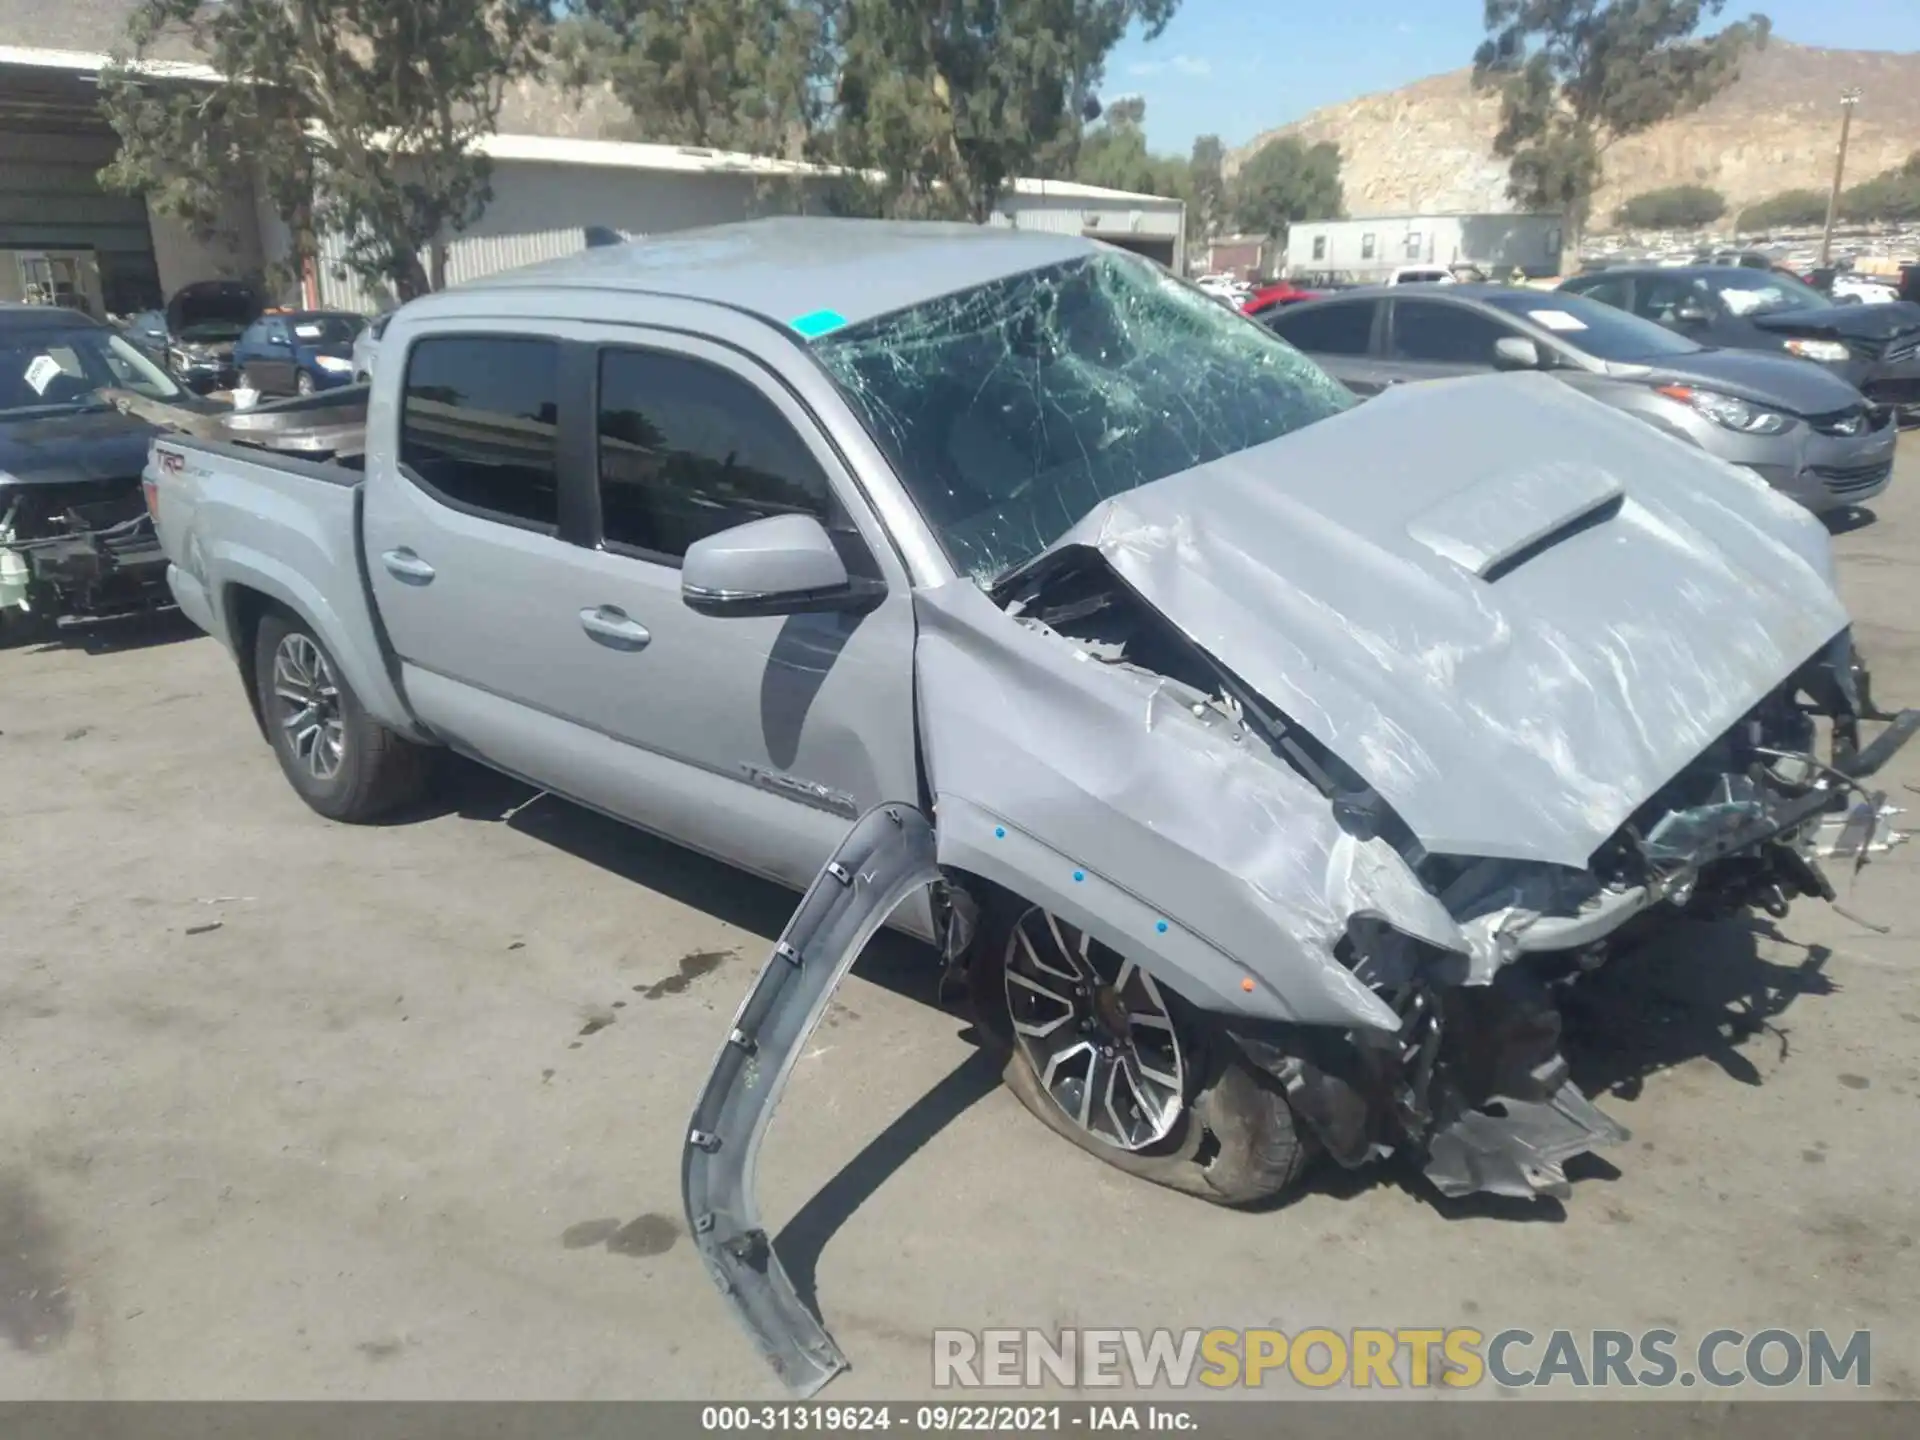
{"type": "Point", "coordinates": [1012, 409]}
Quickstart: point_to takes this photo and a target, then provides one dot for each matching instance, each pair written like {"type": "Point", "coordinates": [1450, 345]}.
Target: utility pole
{"type": "Point", "coordinates": [1848, 99]}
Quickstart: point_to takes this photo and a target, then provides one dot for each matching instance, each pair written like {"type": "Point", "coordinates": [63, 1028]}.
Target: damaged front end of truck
{"type": "Point", "coordinates": [1366, 777]}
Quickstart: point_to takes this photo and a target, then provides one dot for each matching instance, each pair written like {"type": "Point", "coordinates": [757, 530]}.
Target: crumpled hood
{"type": "Point", "coordinates": [1779, 382]}
{"type": "Point", "coordinates": [1848, 322]}
{"type": "Point", "coordinates": [98, 444]}
{"type": "Point", "coordinates": [1513, 610]}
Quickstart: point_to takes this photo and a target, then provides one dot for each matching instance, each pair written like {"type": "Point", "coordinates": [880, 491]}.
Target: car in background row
{"type": "Point", "coordinates": [194, 335]}
{"type": "Point", "coordinates": [366, 347]}
{"type": "Point", "coordinates": [1806, 432]}
{"type": "Point", "coordinates": [298, 352]}
{"type": "Point", "coordinates": [75, 535]}
{"type": "Point", "coordinates": [1875, 348]}
{"type": "Point", "coordinates": [1280, 292]}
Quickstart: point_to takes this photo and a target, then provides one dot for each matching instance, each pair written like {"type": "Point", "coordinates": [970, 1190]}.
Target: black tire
{"type": "Point", "coordinates": [303, 384]}
{"type": "Point", "coordinates": [377, 770]}
{"type": "Point", "coordinates": [1235, 1141]}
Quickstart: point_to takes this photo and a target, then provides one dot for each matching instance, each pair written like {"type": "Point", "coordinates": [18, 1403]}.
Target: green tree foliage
{"type": "Point", "coordinates": [1893, 195]}
{"type": "Point", "coordinates": [743, 75]}
{"type": "Point", "coordinates": [1114, 154]}
{"type": "Point", "coordinates": [950, 99]}
{"type": "Point", "coordinates": [360, 115]}
{"type": "Point", "coordinates": [1676, 207]}
{"type": "Point", "coordinates": [1788, 208]}
{"type": "Point", "coordinates": [1574, 76]}
{"type": "Point", "coordinates": [1284, 181]}
{"type": "Point", "coordinates": [928, 106]}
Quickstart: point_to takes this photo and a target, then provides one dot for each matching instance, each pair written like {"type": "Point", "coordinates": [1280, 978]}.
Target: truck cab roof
{"type": "Point", "coordinates": [823, 272]}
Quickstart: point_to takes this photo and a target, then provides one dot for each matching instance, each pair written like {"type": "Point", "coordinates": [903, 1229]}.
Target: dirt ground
{"type": "Point", "coordinates": [292, 1109]}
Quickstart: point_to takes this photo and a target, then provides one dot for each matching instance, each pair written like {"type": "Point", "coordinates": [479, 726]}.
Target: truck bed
{"type": "Point", "coordinates": [329, 426]}
{"type": "Point", "coordinates": [244, 526]}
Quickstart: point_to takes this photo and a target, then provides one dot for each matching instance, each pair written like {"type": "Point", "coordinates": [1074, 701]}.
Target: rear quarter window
{"type": "Point", "coordinates": [479, 425]}
{"type": "Point", "coordinates": [1341, 328]}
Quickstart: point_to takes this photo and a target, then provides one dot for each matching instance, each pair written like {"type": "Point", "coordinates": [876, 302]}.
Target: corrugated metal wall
{"type": "Point", "coordinates": [468, 258]}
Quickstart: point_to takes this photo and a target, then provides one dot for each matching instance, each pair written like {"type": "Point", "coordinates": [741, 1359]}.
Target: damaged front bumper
{"type": "Point", "coordinates": [91, 554]}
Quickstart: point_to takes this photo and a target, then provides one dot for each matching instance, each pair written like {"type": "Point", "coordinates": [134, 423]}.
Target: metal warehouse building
{"type": "Point", "coordinates": [1371, 247]}
{"type": "Point", "coordinates": [640, 189]}
{"type": "Point", "coordinates": [64, 239]}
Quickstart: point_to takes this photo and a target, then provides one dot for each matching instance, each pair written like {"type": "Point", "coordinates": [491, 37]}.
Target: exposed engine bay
{"type": "Point", "coordinates": [1473, 1076]}
{"type": "Point", "coordinates": [84, 548]}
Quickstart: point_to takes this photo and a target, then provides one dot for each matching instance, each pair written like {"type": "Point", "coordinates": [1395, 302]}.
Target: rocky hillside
{"type": "Point", "coordinates": [1427, 146]}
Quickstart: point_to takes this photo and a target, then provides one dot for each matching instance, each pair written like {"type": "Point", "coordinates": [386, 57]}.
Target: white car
{"type": "Point", "coordinates": [1421, 275]}
{"type": "Point", "coordinates": [1864, 288]}
{"type": "Point", "coordinates": [366, 347]}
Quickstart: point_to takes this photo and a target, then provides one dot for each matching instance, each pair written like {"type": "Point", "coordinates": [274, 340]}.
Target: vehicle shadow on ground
{"type": "Point", "coordinates": [122, 633]}
{"type": "Point", "coordinates": [1694, 990]}
{"type": "Point", "coordinates": [1853, 517]}
{"type": "Point", "coordinates": [891, 960]}
{"type": "Point", "coordinates": [1691, 990]}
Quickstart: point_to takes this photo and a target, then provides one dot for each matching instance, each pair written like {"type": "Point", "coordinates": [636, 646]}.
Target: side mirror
{"type": "Point", "coordinates": [1690, 312]}
{"type": "Point", "coordinates": [1515, 352]}
{"type": "Point", "coordinates": [782, 565]}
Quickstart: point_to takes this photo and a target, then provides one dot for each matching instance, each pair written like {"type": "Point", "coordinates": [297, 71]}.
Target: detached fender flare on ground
{"type": "Point", "coordinates": [886, 856]}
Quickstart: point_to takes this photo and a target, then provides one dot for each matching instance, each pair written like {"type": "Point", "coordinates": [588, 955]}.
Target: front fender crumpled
{"type": "Point", "coordinates": [1174, 836]}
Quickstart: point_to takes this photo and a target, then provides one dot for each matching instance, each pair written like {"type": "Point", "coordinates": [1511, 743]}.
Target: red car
{"type": "Point", "coordinates": [1267, 297]}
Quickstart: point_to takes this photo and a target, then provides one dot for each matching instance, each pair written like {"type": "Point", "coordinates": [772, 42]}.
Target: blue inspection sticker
{"type": "Point", "coordinates": [817, 322]}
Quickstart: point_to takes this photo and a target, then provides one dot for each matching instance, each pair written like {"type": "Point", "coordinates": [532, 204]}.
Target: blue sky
{"type": "Point", "coordinates": [1237, 67]}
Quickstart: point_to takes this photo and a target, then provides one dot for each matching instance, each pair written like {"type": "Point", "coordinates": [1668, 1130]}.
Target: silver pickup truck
{"type": "Point", "coordinates": [1266, 765]}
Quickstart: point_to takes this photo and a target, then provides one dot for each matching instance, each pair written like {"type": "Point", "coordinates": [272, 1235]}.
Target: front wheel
{"type": "Point", "coordinates": [1107, 1058]}
{"type": "Point", "coordinates": [303, 383]}
{"type": "Point", "coordinates": [343, 762]}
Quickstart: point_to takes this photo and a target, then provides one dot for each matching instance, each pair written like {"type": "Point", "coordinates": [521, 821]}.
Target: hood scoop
{"type": "Point", "coordinates": [1493, 526]}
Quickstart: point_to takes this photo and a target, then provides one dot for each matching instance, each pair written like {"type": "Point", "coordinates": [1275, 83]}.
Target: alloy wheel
{"type": "Point", "coordinates": [309, 703]}
{"type": "Point", "coordinates": [1096, 1030]}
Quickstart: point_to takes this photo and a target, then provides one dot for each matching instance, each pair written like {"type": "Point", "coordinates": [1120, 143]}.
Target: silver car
{"type": "Point", "coordinates": [1806, 431]}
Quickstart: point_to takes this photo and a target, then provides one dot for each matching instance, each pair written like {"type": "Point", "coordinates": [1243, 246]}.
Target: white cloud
{"type": "Point", "coordinates": [1179, 64]}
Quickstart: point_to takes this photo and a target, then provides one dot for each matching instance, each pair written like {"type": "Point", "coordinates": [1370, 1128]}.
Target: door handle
{"type": "Point", "coordinates": [403, 564]}
{"type": "Point", "coordinates": [611, 626]}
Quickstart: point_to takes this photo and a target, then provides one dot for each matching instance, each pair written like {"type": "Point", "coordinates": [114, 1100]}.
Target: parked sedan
{"type": "Point", "coordinates": [296, 352]}
{"type": "Point", "coordinates": [1808, 433]}
{"type": "Point", "coordinates": [1874, 347]}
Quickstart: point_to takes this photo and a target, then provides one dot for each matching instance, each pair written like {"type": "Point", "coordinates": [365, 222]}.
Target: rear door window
{"type": "Point", "coordinates": [479, 425]}
{"type": "Point", "coordinates": [1341, 328]}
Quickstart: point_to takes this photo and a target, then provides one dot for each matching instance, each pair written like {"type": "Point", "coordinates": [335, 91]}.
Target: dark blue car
{"type": "Point", "coordinates": [296, 352]}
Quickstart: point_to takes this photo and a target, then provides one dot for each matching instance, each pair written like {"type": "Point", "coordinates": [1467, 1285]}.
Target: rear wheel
{"type": "Point", "coordinates": [344, 764]}
{"type": "Point", "coordinates": [1108, 1059]}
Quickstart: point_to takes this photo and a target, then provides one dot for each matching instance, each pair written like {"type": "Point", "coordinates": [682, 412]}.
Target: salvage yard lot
{"type": "Point", "coordinates": [294, 1109]}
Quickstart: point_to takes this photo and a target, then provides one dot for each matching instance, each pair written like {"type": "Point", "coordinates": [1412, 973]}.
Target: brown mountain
{"type": "Point", "coordinates": [1428, 146]}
